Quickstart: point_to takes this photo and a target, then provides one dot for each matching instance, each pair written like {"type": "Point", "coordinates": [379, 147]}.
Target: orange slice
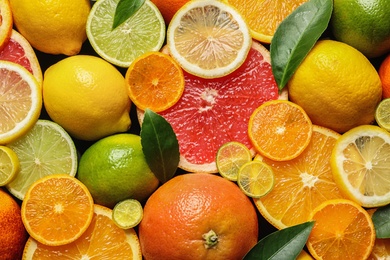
{"type": "Point", "coordinates": [155, 81]}
{"type": "Point", "coordinates": [381, 248]}
{"type": "Point", "coordinates": [6, 22]}
{"type": "Point", "coordinates": [342, 230]}
{"type": "Point", "coordinates": [57, 209]}
{"type": "Point", "coordinates": [280, 130]}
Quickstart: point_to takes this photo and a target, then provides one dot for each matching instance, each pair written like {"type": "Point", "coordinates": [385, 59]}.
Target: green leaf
{"type": "Point", "coordinates": [124, 10]}
{"type": "Point", "coordinates": [381, 219]}
{"type": "Point", "coordinates": [282, 244]}
{"type": "Point", "coordinates": [295, 37]}
{"type": "Point", "coordinates": [160, 146]}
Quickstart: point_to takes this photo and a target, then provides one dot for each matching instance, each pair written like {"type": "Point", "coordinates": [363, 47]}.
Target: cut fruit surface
{"type": "Point", "coordinates": [256, 179]}
{"type": "Point", "coordinates": [9, 165]}
{"type": "Point", "coordinates": [127, 213]}
{"type": "Point", "coordinates": [6, 22]}
{"type": "Point", "coordinates": [382, 114]}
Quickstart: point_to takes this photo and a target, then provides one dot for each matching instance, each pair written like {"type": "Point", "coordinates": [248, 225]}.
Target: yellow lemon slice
{"type": "Point", "coordinates": [127, 213]}
{"type": "Point", "coordinates": [9, 165]}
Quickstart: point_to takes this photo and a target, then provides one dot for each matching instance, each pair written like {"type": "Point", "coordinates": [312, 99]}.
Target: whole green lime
{"type": "Point", "coordinates": [114, 168]}
{"type": "Point", "coordinates": [364, 25]}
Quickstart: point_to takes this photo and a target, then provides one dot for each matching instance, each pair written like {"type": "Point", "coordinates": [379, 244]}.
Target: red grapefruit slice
{"type": "Point", "coordinates": [212, 112]}
{"type": "Point", "coordinates": [6, 22]}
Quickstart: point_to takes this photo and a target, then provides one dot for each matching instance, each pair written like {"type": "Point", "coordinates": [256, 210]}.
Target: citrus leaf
{"type": "Point", "coordinates": [381, 219]}
{"type": "Point", "coordinates": [282, 244]}
{"type": "Point", "coordinates": [160, 146]}
{"type": "Point", "coordinates": [296, 36]}
{"type": "Point", "coordinates": [124, 10]}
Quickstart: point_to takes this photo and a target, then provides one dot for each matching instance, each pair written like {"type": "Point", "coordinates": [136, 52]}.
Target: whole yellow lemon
{"type": "Point", "coordinates": [87, 96]}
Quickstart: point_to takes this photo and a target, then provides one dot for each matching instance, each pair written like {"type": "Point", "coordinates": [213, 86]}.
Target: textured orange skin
{"type": "Point", "coordinates": [169, 7]}
{"type": "Point", "coordinates": [190, 205]}
{"type": "Point", "coordinates": [384, 75]}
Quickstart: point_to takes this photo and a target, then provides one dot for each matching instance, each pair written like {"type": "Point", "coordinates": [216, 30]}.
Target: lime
{"type": "Point", "coordinates": [127, 213]}
{"type": "Point", "coordinates": [256, 179]}
{"type": "Point", "coordinates": [143, 31]}
{"type": "Point", "coordinates": [9, 165]}
{"type": "Point", "coordinates": [382, 114]}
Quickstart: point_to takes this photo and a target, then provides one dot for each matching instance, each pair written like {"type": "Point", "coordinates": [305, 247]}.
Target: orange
{"type": "Point", "coordinates": [302, 183]}
{"type": "Point", "coordinates": [57, 209]}
{"type": "Point", "coordinates": [102, 240]}
{"type": "Point", "coordinates": [384, 75]}
{"type": "Point", "coordinates": [198, 216]}
{"type": "Point", "coordinates": [280, 130]}
{"type": "Point", "coordinates": [13, 234]}
{"type": "Point", "coordinates": [169, 7]}
{"type": "Point", "coordinates": [381, 248]}
{"type": "Point", "coordinates": [6, 22]}
{"type": "Point", "coordinates": [342, 230]}
{"type": "Point", "coordinates": [155, 81]}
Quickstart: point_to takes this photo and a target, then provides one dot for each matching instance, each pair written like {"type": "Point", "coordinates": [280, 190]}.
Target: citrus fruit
{"type": "Point", "coordinates": [360, 160]}
{"type": "Point", "coordinates": [384, 75]}
{"type": "Point", "coordinates": [198, 216]}
{"type": "Point", "coordinates": [19, 50]}
{"type": "Point", "coordinates": [169, 7]}
{"type": "Point", "coordinates": [13, 234]}
{"type": "Point", "coordinates": [102, 240]}
{"type": "Point", "coordinates": [46, 149]}
{"type": "Point", "coordinates": [9, 165]}
{"type": "Point", "coordinates": [21, 101]}
{"type": "Point", "coordinates": [337, 86]}
{"type": "Point", "coordinates": [363, 25]}
{"type": "Point", "coordinates": [143, 31]}
{"type": "Point", "coordinates": [6, 22]}
{"type": "Point", "coordinates": [114, 169]}
{"type": "Point", "coordinates": [263, 17]}
{"type": "Point", "coordinates": [208, 39]}
{"type": "Point", "coordinates": [127, 213]}
{"type": "Point", "coordinates": [230, 157]}
{"type": "Point", "coordinates": [155, 81]}
{"type": "Point", "coordinates": [304, 256]}
{"type": "Point", "coordinates": [87, 96]}
{"type": "Point", "coordinates": [256, 179]}
{"type": "Point", "coordinates": [52, 26]}
{"type": "Point", "coordinates": [288, 133]}
{"type": "Point", "coordinates": [302, 183]}
{"type": "Point", "coordinates": [382, 114]}
{"type": "Point", "coordinates": [342, 230]}
{"type": "Point", "coordinates": [57, 209]}
{"type": "Point", "coordinates": [381, 248]}
{"type": "Point", "coordinates": [212, 112]}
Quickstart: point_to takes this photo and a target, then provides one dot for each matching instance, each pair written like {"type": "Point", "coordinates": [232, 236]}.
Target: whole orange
{"type": "Point", "coordinates": [384, 75]}
{"type": "Point", "coordinates": [13, 234]}
{"type": "Point", "coordinates": [198, 216]}
{"type": "Point", "coordinates": [169, 7]}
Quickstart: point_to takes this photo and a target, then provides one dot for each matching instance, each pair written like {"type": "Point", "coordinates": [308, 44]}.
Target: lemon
{"type": "Point", "coordinates": [87, 96]}
{"type": "Point", "coordinates": [9, 165]}
{"type": "Point", "coordinates": [382, 114]}
{"type": "Point", "coordinates": [127, 213]}
{"type": "Point", "coordinates": [114, 169]}
{"type": "Point", "coordinates": [255, 179]}
{"type": "Point", "coordinates": [52, 26]}
{"type": "Point", "coordinates": [337, 86]}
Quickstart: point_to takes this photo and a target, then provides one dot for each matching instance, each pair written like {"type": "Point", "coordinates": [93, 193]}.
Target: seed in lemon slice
{"type": "Point", "coordinates": [46, 149]}
{"type": "Point", "coordinates": [20, 101]}
{"type": "Point", "coordinates": [143, 31]}
{"type": "Point", "coordinates": [209, 39]}
{"type": "Point", "coordinates": [382, 114]}
{"type": "Point", "coordinates": [360, 165]}
{"type": "Point", "coordinates": [127, 213]}
{"type": "Point", "coordinates": [256, 179]}
{"type": "Point", "coordinates": [230, 157]}
{"type": "Point", "coordinates": [9, 165]}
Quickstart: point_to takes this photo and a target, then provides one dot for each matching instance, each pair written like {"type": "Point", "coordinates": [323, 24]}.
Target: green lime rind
{"type": "Point", "coordinates": [127, 213]}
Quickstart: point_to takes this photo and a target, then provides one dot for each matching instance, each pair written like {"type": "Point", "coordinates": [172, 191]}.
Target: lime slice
{"type": "Point", "coordinates": [382, 114]}
{"type": "Point", "coordinates": [127, 213]}
{"type": "Point", "coordinates": [256, 179]}
{"type": "Point", "coordinates": [9, 165]}
{"type": "Point", "coordinates": [230, 157]}
{"type": "Point", "coordinates": [46, 149]}
{"type": "Point", "coordinates": [143, 31]}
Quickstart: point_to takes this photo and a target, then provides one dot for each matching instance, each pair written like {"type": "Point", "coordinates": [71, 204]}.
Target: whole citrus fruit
{"type": "Point", "coordinates": [168, 8]}
{"type": "Point", "coordinates": [364, 25]}
{"type": "Point", "coordinates": [87, 96]}
{"type": "Point", "coordinates": [52, 26]}
{"type": "Point", "coordinates": [384, 75]}
{"type": "Point", "coordinates": [13, 234]}
{"type": "Point", "coordinates": [114, 168]}
{"type": "Point", "coordinates": [337, 86]}
{"type": "Point", "coordinates": [198, 216]}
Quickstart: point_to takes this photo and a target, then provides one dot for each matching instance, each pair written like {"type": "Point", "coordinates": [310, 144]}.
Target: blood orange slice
{"type": "Point", "coordinates": [6, 22]}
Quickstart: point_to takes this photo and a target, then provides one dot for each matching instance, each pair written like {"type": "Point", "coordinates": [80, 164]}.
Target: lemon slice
{"type": "Point", "coordinates": [256, 179]}
{"type": "Point", "coordinates": [360, 164]}
{"type": "Point", "coordinates": [382, 114]}
{"type": "Point", "coordinates": [209, 39]}
{"type": "Point", "coordinates": [9, 165]}
{"type": "Point", "coordinates": [127, 213]}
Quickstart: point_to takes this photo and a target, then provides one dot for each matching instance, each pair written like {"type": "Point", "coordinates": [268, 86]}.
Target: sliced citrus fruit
{"type": "Point", "coordinates": [127, 213]}
{"type": "Point", "coordinates": [230, 157]}
{"type": "Point", "coordinates": [143, 31]}
{"type": "Point", "coordinates": [6, 22]}
{"type": "Point", "coordinates": [280, 130]}
{"type": "Point", "coordinates": [301, 184]}
{"type": "Point", "coordinates": [360, 163]}
{"type": "Point", "coordinates": [342, 230]}
{"type": "Point", "coordinates": [256, 179]}
{"type": "Point", "coordinates": [9, 165]}
{"type": "Point", "coordinates": [209, 39]}
{"type": "Point", "coordinates": [381, 248]}
{"type": "Point", "coordinates": [263, 17]}
{"type": "Point", "coordinates": [57, 209]}
{"type": "Point", "coordinates": [46, 149]}
{"type": "Point", "coordinates": [382, 114]}
{"type": "Point", "coordinates": [102, 240]}
{"type": "Point", "coordinates": [155, 81]}
{"type": "Point", "coordinates": [20, 101]}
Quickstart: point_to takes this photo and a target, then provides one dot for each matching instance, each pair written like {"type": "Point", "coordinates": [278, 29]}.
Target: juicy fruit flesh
{"type": "Point", "coordinates": [15, 53]}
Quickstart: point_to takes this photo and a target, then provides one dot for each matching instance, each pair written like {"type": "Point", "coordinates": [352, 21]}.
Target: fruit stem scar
{"type": "Point", "coordinates": [211, 239]}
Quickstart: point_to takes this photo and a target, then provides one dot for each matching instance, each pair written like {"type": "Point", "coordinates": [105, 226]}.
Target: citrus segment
{"type": "Point", "coordinates": [6, 22]}
{"type": "Point", "coordinates": [256, 179]}
{"type": "Point", "coordinates": [127, 213]}
{"type": "Point", "coordinates": [280, 130]}
{"type": "Point", "coordinates": [155, 81]}
{"type": "Point", "coordinates": [9, 165]}
{"type": "Point", "coordinates": [209, 39]}
{"type": "Point", "coordinates": [382, 114]}
{"type": "Point", "coordinates": [57, 209]}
